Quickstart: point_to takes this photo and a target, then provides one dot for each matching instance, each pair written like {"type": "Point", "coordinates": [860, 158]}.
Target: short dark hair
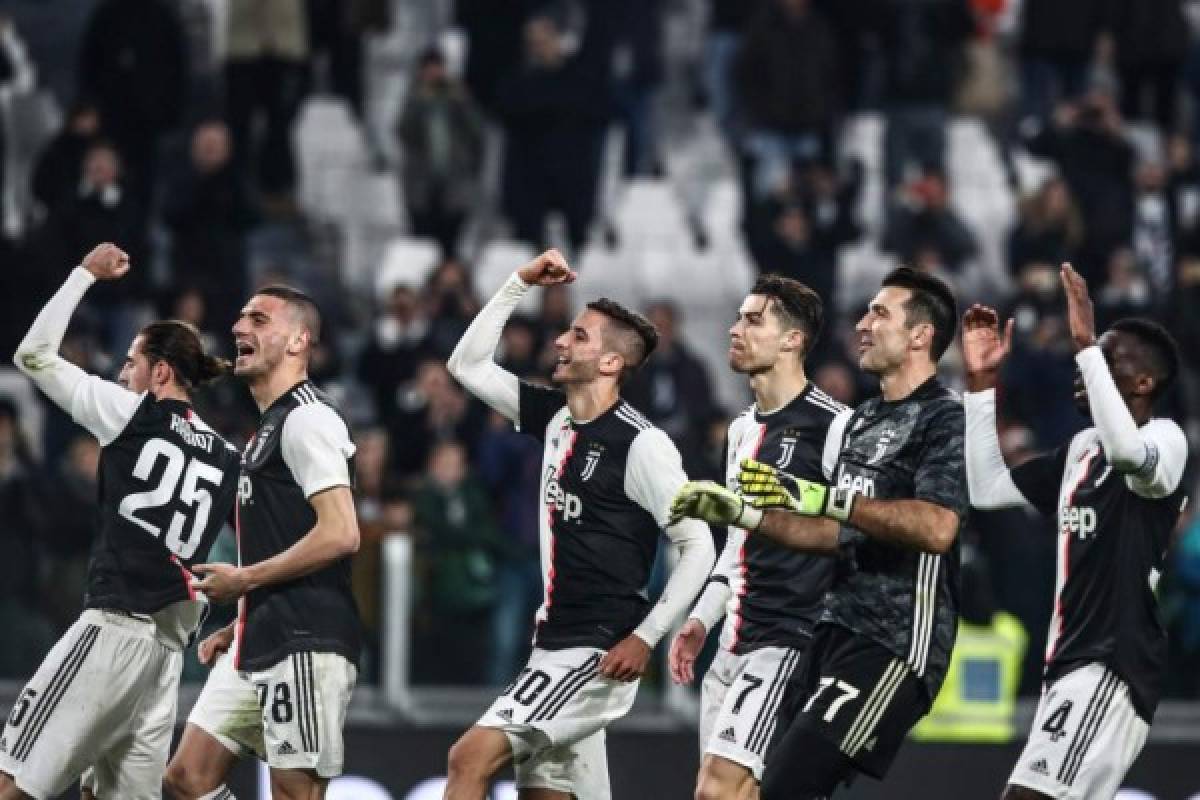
{"type": "Point", "coordinates": [932, 301]}
{"type": "Point", "coordinates": [1159, 346]}
{"type": "Point", "coordinates": [795, 304]}
{"type": "Point", "coordinates": [300, 301]}
{"type": "Point", "coordinates": [636, 336]}
{"type": "Point", "coordinates": [179, 345]}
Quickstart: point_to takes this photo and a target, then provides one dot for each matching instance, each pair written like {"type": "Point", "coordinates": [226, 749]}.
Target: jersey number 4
{"type": "Point", "coordinates": [191, 494]}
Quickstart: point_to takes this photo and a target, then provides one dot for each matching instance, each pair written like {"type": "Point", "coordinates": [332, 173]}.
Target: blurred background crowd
{"type": "Point", "coordinates": [397, 158]}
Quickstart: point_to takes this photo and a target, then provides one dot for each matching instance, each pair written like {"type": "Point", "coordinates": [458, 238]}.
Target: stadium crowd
{"type": "Point", "coordinates": [176, 142]}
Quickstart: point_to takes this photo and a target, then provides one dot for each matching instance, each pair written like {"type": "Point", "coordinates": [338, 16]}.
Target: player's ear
{"type": "Point", "coordinates": [611, 363]}
{"type": "Point", "coordinates": [161, 373]}
{"type": "Point", "coordinates": [795, 340]}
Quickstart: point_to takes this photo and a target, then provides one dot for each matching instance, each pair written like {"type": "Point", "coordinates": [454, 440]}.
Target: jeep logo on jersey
{"type": "Point", "coordinates": [788, 447]}
{"type": "Point", "coordinates": [1077, 520]}
{"type": "Point", "coordinates": [245, 489]}
{"type": "Point", "coordinates": [569, 505]}
{"type": "Point", "coordinates": [857, 484]}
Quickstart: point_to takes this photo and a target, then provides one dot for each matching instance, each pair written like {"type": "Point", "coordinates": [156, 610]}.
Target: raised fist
{"type": "Point", "coordinates": [106, 262]}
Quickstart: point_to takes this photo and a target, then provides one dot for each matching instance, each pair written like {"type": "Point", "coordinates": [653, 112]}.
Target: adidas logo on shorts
{"type": "Point", "coordinates": [1040, 767]}
{"type": "Point", "coordinates": [728, 735]}
{"type": "Point", "coordinates": [505, 713]}
{"type": "Point", "coordinates": [285, 749]}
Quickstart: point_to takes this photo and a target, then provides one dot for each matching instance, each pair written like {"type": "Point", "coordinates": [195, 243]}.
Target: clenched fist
{"type": "Point", "coordinates": [106, 262]}
{"type": "Point", "coordinates": [548, 269]}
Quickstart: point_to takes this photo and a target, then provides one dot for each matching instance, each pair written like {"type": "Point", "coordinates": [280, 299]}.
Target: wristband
{"type": "Point", "coordinates": [750, 518]}
{"type": "Point", "coordinates": [839, 503]}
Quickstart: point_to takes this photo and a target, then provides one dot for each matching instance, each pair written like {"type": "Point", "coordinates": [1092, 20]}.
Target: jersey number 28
{"type": "Point", "coordinates": [193, 472]}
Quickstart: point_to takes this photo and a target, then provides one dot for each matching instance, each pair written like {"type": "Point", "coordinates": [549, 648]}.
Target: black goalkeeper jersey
{"type": "Point", "coordinates": [166, 486]}
{"type": "Point", "coordinates": [1111, 546]}
{"type": "Point", "coordinates": [776, 592]}
{"type": "Point", "coordinates": [317, 612]}
{"type": "Point", "coordinates": [906, 601]}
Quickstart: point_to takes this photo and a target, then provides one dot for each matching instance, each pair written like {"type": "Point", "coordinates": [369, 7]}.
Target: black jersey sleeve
{"type": "Point", "coordinates": [536, 406]}
{"type": "Point", "coordinates": [941, 475]}
{"type": "Point", "coordinates": [1039, 478]}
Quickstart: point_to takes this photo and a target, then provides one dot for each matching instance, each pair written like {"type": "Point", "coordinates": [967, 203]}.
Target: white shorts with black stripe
{"type": "Point", "coordinates": [555, 714]}
{"type": "Point", "coordinates": [290, 715]}
{"type": "Point", "coordinates": [103, 698]}
{"type": "Point", "coordinates": [740, 701]}
{"type": "Point", "coordinates": [1084, 737]}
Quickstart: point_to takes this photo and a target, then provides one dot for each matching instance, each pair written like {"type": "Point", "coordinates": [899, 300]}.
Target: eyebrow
{"type": "Point", "coordinates": [878, 308]}
{"type": "Point", "coordinates": [579, 329]}
{"type": "Point", "coordinates": [256, 315]}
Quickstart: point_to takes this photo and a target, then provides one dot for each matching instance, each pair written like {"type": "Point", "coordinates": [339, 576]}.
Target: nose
{"type": "Point", "coordinates": [862, 325]}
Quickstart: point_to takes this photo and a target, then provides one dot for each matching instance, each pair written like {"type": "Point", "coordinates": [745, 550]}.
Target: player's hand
{"type": "Point", "coordinates": [106, 262]}
{"type": "Point", "coordinates": [1081, 317]}
{"type": "Point", "coordinates": [223, 583]}
{"type": "Point", "coordinates": [214, 644]}
{"type": "Point", "coordinates": [548, 269]}
{"type": "Point", "coordinates": [712, 503]}
{"type": "Point", "coordinates": [984, 349]}
{"type": "Point", "coordinates": [764, 487]}
{"type": "Point", "coordinates": [627, 661]}
{"type": "Point", "coordinates": [684, 651]}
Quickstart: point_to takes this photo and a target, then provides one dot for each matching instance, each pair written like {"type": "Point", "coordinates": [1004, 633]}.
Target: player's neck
{"type": "Point", "coordinates": [903, 381]}
{"type": "Point", "coordinates": [171, 393]}
{"type": "Point", "coordinates": [777, 387]}
{"type": "Point", "coordinates": [586, 401]}
{"type": "Point", "coordinates": [268, 388]}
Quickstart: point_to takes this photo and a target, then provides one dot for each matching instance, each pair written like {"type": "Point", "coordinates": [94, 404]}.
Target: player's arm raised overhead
{"type": "Point", "coordinates": [473, 361]}
{"type": "Point", "coordinates": [1153, 455]}
{"type": "Point", "coordinates": [315, 446]}
{"type": "Point", "coordinates": [102, 407]}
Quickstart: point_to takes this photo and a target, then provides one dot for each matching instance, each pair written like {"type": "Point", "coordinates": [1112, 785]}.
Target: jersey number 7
{"type": "Point", "coordinates": [193, 472]}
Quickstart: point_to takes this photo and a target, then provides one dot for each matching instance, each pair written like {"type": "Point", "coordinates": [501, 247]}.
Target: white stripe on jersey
{"type": "Point", "coordinates": [924, 606]}
{"type": "Point", "coordinates": [872, 710]}
{"type": "Point", "coordinates": [822, 400]}
{"type": "Point", "coordinates": [626, 414]}
{"type": "Point", "coordinates": [1074, 475]}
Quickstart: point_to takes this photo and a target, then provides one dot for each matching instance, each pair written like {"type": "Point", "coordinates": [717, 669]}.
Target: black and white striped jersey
{"type": "Point", "coordinates": [1113, 532]}
{"type": "Point", "coordinates": [302, 447]}
{"type": "Point", "coordinates": [775, 592]}
{"type": "Point", "coordinates": [606, 491]}
{"type": "Point", "coordinates": [905, 600]}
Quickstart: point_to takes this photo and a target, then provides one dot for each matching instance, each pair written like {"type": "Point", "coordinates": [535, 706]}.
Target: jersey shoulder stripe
{"type": "Point", "coordinates": [627, 415]}
{"type": "Point", "coordinates": [824, 401]}
{"type": "Point", "coordinates": [821, 394]}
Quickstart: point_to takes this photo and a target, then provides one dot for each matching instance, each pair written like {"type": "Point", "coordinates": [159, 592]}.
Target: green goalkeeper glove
{"type": "Point", "coordinates": [766, 487]}
{"type": "Point", "coordinates": [714, 504]}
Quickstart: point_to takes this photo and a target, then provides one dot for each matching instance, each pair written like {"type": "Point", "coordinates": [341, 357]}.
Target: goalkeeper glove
{"type": "Point", "coordinates": [714, 504]}
{"type": "Point", "coordinates": [766, 487]}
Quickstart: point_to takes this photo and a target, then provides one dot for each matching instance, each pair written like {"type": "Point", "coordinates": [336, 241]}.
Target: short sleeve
{"type": "Point", "coordinates": [1038, 479]}
{"type": "Point", "coordinates": [941, 472]}
{"type": "Point", "coordinates": [316, 446]}
{"type": "Point", "coordinates": [536, 406]}
{"type": "Point", "coordinates": [654, 473]}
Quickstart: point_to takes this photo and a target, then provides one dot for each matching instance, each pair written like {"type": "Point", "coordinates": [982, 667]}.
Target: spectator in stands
{"type": "Point", "coordinates": [207, 207]}
{"type": "Point", "coordinates": [1183, 192]}
{"type": "Point", "coordinates": [450, 304]}
{"type": "Point", "coordinates": [59, 166]}
{"type": "Point", "coordinates": [338, 28]}
{"type": "Point", "coordinates": [672, 388]}
{"type": "Point", "coordinates": [17, 76]}
{"type": "Point", "coordinates": [371, 486]}
{"type": "Point", "coordinates": [457, 543]}
{"type": "Point", "coordinates": [1183, 611]}
{"type": "Point", "coordinates": [1126, 293]}
{"type": "Point", "coordinates": [787, 90]}
{"type": "Point", "coordinates": [922, 47]}
{"type": "Point", "coordinates": [727, 21]}
{"type": "Point", "coordinates": [395, 346]}
{"type": "Point", "coordinates": [518, 352]}
{"type": "Point", "coordinates": [1150, 43]}
{"type": "Point", "coordinates": [637, 30]}
{"type": "Point", "coordinates": [441, 135]}
{"type": "Point", "coordinates": [133, 62]}
{"type": "Point", "coordinates": [555, 109]}
{"type": "Point", "coordinates": [105, 209]}
{"type": "Point", "coordinates": [266, 72]}
{"type": "Point", "coordinates": [510, 464]}
{"type": "Point", "coordinates": [922, 227]}
{"type": "Point", "coordinates": [494, 48]}
{"type": "Point", "coordinates": [1057, 43]}
{"type": "Point", "coordinates": [68, 500]}
{"type": "Point", "coordinates": [1154, 231]}
{"type": "Point", "coordinates": [1049, 227]}
{"type": "Point", "coordinates": [432, 409]}
{"type": "Point", "coordinates": [28, 633]}
{"type": "Point", "coordinates": [1087, 142]}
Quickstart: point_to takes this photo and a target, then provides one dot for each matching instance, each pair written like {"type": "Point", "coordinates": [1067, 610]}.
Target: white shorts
{"type": "Point", "coordinates": [555, 714]}
{"type": "Point", "coordinates": [1085, 736]}
{"type": "Point", "coordinates": [739, 703]}
{"type": "Point", "coordinates": [103, 698]}
{"type": "Point", "coordinates": [290, 716]}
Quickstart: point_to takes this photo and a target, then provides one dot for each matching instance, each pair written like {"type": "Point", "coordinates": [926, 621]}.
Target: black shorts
{"type": "Point", "coordinates": [856, 695]}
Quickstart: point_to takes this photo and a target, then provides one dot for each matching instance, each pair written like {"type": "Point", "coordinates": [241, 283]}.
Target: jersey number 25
{"type": "Point", "coordinates": [191, 494]}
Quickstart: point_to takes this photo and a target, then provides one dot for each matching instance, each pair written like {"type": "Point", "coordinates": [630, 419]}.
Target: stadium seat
{"type": "Point", "coordinates": [406, 260]}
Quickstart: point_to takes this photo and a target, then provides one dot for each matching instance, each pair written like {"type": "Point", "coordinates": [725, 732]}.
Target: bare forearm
{"type": "Point", "coordinates": [912, 524]}
{"type": "Point", "coordinates": [808, 534]}
{"type": "Point", "coordinates": [319, 548]}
